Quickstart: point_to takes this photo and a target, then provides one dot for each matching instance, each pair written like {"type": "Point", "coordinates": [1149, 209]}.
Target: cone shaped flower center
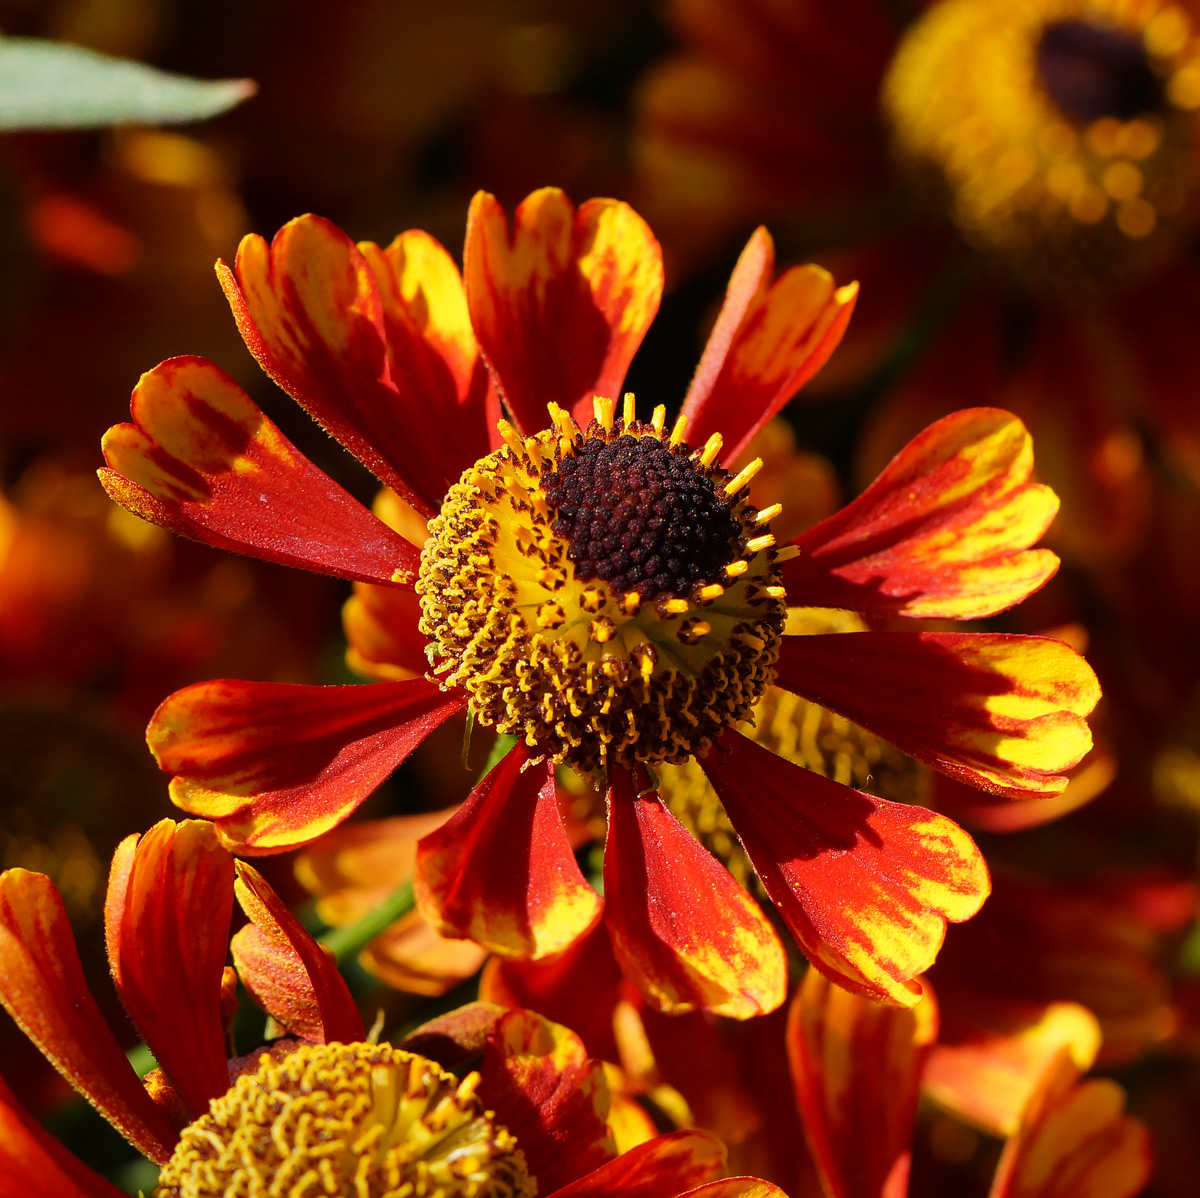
{"type": "Point", "coordinates": [347, 1119]}
{"type": "Point", "coordinates": [609, 594]}
{"type": "Point", "coordinates": [1059, 135]}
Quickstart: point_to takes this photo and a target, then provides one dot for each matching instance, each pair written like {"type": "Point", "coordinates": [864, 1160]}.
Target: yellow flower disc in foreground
{"type": "Point", "coordinates": [366, 1120]}
{"type": "Point", "coordinates": [1060, 135]}
{"type": "Point", "coordinates": [611, 595]}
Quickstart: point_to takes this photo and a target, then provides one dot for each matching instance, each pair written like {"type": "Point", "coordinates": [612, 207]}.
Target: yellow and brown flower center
{"type": "Point", "coordinates": [1060, 135]}
{"type": "Point", "coordinates": [366, 1120]}
{"type": "Point", "coordinates": [611, 595]}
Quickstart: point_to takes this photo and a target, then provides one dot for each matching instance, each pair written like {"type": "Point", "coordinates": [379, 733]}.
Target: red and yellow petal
{"type": "Point", "coordinates": [664, 1167]}
{"type": "Point", "coordinates": [1001, 712]}
{"type": "Point", "coordinates": [308, 306]}
{"type": "Point", "coordinates": [384, 641]}
{"type": "Point", "coordinates": [994, 1051]}
{"type": "Point", "coordinates": [865, 885]}
{"type": "Point", "coordinates": [43, 989]}
{"type": "Point", "coordinates": [770, 338]}
{"type": "Point", "coordinates": [1075, 1142]}
{"type": "Point", "coordinates": [857, 1066]}
{"type": "Point", "coordinates": [537, 1077]}
{"type": "Point", "coordinates": [274, 765]}
{"type": "Point", "coordinates": [33, 1164]}
{"type": "Point", "coordinates": [167, 912]}
{"type": "Point", "coordinates": [286, 971]}
{"type": "Point", "coordinates": [201, 459]}
{"type": "Point", "coordinates": [432, 349]}
{"type": "Point", "coordinates": [943, 532]}
{"type": "Point", "coordinates": [501, 871]}
{"type": "Point", "coordinates": [685, 933]}
{"type": "Point", "coordinates": [562, 305]}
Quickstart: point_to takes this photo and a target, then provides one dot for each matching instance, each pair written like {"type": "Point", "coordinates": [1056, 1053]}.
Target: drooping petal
{"type": "Point", "coordinates": [736, 1187]}
{"type": "Point", "coordinates": [580, 987]}
{"type": "Point", "coordinates": [561, 307]}
{"type": "Point", "coordinates": [771, 337]}
{"type": "Point", "coordinates": [666, 1166]}
{"type": "Point", "coordinates": [274, 765]}
{"type": "Point", "coordinates": [537, 1077]}
{"type": "Point", "coordinates": [203, 461]}
{"type": "Point", "coordinates": [501, 872]}
{"type": "Point", "coordinates": [856, 1066]}
{"type": "Point", "coordinates": [994, 1051]}
{"type": "Point", "coordinates": [411, 956]}
{"type": "Point", "coordinates": [308, 307]}
{"type": "Point", "coordinates": [865, 885]}
{"type": "Point", "coordinates": [433, 352]}
{"type": "Point", "coordinates": [1001, 712]}
{"type": "Point", "coordinates": [685, 933]}
{"type": "Point", "coordinates": [943, 532]}
{"type": "Point", "coordinates": [166, 916]}
{"type": "Point", "coordinates": [286, 971]}
{"type": "Point", "coordinates": [1075, 1142]}
{"type": "Point", "coordinates": [33, 1164]}
{"type": "Point", "coordinates": [43, 989]}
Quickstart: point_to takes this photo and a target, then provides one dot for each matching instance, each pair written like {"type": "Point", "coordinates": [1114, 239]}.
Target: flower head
{"type": "Point", "coordinates": [601, 588]}
{"type": "Point", "coordinates": [322, 1110]}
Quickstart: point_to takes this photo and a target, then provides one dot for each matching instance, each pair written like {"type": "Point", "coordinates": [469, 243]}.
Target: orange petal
{"type": "Point", "coordinates": [685, 933]}
{"type": "Point", "coordinates": [412, 957]}
{"type": "Point", "coordinates": [1001, 712]}
{"type": "Point", "coordinates": [736, 1187]}
{"type": "Point", "coordinates": [309, 308]}
{"type": "Point", "coordinates": [537, 1077]}
{"type": "Point", "coordinates": [857, 1067]}
{"type": "Point", "coordinates": [203, 461]}
{"type": "Point", "coordinates": [501, 872]}
{"type": "Point", "coordinates": [385, 642]}
{"type": "Point", "coordinates": [432, 350]}
{"type": "Point", "coordinates": [1075, 1142]}
{"type": "Point", "coordinates": [664, 1167]}
{"type": "Point", "coordinates": [42, 988]}
{"type": "Point", "coordinates": [769, 340]}
{"type": "Point", "coordinates": [274, 765]}
{"type": "Point", "coordinates": [865, 885]}
{"type": "Point", "coordinates": [33, 1164]}
{"type": "Point", "coordinates": [286, 971]}
{"type": "Point", "coordinates": [561, 307]}
{"type": "Point", "coordinates": [994, 1051]}
{"type": "Point", "coordinates": [170, 898]}
{"type": "Point", "coordinates": [943, 532]}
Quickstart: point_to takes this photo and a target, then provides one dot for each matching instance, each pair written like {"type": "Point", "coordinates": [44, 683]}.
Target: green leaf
{"type": "Point", "coordinates": [52, 85]}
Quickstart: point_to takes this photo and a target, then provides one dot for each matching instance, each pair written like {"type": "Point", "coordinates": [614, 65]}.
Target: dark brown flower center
{"type": "Point", "coordinates": [1091, 71]}
{"type": "Point", "coordinates": [642, 516]}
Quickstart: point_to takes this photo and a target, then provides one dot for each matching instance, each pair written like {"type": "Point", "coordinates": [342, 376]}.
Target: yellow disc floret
{"type": "Point", "coordinates": [347, 1121]}
{"type": "Point", "coordinates": [1060, 135]}
{"type": "Point", "coordinates": [612, 595]}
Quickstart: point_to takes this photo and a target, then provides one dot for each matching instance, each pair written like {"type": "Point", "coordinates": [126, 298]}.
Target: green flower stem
{"type": "Point", "coordinates": [350, 940]}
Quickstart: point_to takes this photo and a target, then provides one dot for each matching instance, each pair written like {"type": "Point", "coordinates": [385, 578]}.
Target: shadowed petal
{"type": "Point", "coordinates": [42, 988]}
{"type": "Point", "coordinates": [203, 461]}
{"type": "Point", "coordinates": [537, 1077]}
{"type": "Point", "coordinates": [943, 532]}
{"type": "Point", "coordinates": [562, 305]}
{"type": "Point", "coordinates": [501, 872]}
{"type": "Point", "coordinates": [1004, 713]}
{"type": "Point", "coordinates": [309, 308]}
{"type": "Point", "coordinates": [736, 1187]}
{"type": "Point", "coordinates": [286, 971]}
{"type": "Point", "coordinates": [274, 765]}
{"type": "Point", "coordinates": [33, 1164]}
{"type": "Point", "coordinates": [685, 933]}
{"type": "Point", "coordinates": [856, 1066]}
{"type": "Point", "coordinates": [385, 642]}
{"type": "Point", "coordinates": [865, 885]}
{"type": "Point", "coordinates": [166, 916]}
{"type": "Point", "coordinates": [1075, 1142]}
{"type": "Point", "coordinates": [770, 338]}
{"type": "Point", "coordinates": [668, 1165]}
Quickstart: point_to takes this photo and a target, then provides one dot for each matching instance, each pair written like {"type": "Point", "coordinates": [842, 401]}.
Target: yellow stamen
{"type": "Point", "coordinates": [743, 476]}
{"type": "Point", "coordinates": [712, 449]}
